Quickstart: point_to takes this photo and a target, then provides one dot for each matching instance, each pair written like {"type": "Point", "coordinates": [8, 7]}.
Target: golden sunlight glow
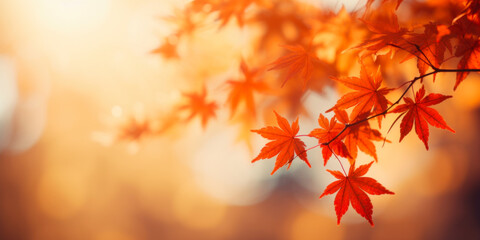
{"type": "Point", "coordinates": [62, 192]}
{"type": "Point", "coordinates": [228, 175]}
{"type": "Point", "coordinates": [133, 119]}
{"type": "Point", "coordinates": [309, 226]}
{"type": "Point", "coordinates": [197, 210]}
{"type": "Point", "coordinates": [8, 99]}
{"type": "Point", "coordinates": [72, 15]}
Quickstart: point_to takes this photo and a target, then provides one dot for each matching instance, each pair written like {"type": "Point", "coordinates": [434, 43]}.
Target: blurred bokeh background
{"type": "Point", "coordinates": [72, 72]}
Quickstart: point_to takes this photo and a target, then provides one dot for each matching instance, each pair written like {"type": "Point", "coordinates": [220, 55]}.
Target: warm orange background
{"type": "Point", "coordinates": [70, 69]}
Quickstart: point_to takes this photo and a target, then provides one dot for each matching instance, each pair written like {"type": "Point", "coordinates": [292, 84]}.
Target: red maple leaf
{"type": "Point", "coordinates": [368, 97]}
{"type": "Point", "coordinates": [299, 63]}
{"type": "Point", "coordinates": [351, 189]}
{"type": "Point", "coordinates": [429, 47]}
{"type": "Point", "coordinates": [421, 114]}
{"type": "Point", "coordinates": [359, 136]}
{"type": "Point", "coordinates": [243, 90]}
{"type": "Point", "coordinates": [284, 143]}
{"type": "Point", "coordinates": [467, 30]}
{"type": "Point", "coordinates": [198, 105]}
{"type": "Point", "coordinates": [472, 8]}
{"type": "Point", "coordinates": [326, 133]}
{"type": "Point", "coordinates": [470, 58]}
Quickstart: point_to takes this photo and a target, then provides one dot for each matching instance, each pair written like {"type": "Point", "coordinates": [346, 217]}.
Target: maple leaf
{"type": "Point", "coordinates": [243, 90]}
{"type": "Point", "coordinates": [472, 8]}
{"type": "Point", "coordinates": [185, 22]}
{"type": "Point", "coordinates": [359, 136]}
{"type": "Point", "coordinates": [278, 17]}
{"type": "Point", "coordinates": [352, 189]}
{"type": "Point", "coordinates": [429, 47]}
{"type": "Point", "coordinates": [470, 58]}
{"type": "Point", "coordinates": [326, 133]}
{"type": "Point", "coordinates": [368, 94]}
{"type": "Point", "coordinates": [198, 105]}
{"type": "Point", "coordinates": [167, 49]}
{"type": "Point", "coordinates": [299, 63]}
{"type": "Point", "coordinates": [134, 129]}
{"type": "Point", "coordinates": [386, 32]}
{"type": "Point", "coordinates": [467, 29]}
{"type": "Point", "coordinates": [284, 143]}
{"type": "Point", "coordinates": [418, 111]}
{"type": "Point", "coordinates": [232, 8]}
{"type": "Point", "coordinates": [202, 5]}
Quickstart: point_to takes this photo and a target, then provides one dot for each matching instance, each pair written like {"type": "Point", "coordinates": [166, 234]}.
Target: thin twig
{"type": "Point", "coordinates": [386, 111]}
{"type": "Point", "coordinates": [382, 113]}
{"type": "Point", "coordinates": [303, 135]}
{"type": "Point", "coordinates": [425, 61]}
{"type": "Point", "coordinates": [341, 165]}
{"type": "Point", "coordinates": [308, 149]}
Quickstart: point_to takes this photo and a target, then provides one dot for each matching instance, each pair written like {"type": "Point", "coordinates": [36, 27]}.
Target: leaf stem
{"type": "Point", "coordinates": [303, 135]}
{"type": "Point", "coordinates": [386, 111]}
{"type": "Point", "coordinates": [436, 70]}
{"type": "Point", "coordinates": [318, 145]}
{"type": "Point", "coordinates": [308, 149]}
{"type": "Point", "coordinates": [341, 165]}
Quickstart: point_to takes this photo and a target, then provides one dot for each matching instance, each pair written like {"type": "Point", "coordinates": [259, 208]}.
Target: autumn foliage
{"type": "Point", "coordinates": [352, 189]}
{"type": "Point", "coordinates": [302, 49]}
{"type": "Point", "coordinates": [284, 143]}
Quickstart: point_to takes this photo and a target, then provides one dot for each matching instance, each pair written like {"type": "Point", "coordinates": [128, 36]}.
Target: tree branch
{"type": "Point", "coordinates": [386, 111]}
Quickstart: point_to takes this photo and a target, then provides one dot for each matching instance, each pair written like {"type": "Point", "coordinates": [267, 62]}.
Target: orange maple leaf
{"type": "Point", "coordinates": [134, 129]}
{"type": "Point", "coordinates": [299, 63]}
{"type": "Point", "coordinates": [368, 94]}
{"type": "Point", "coordinates": [326, 133]}
{"type": "Point", "coordinates": [284, 143]}
{"type": "Point", "coordinates": [351, 189]}
{"type": "Point", "coordinates": [243, 90]}
{"type": "Point", "coordinates": [185, 22]}
{"type": "Point", "coordinates": [421, 114]}
{"type": "Point", "coordinates": [369, 3]}
{"type": "Point", "coordinates": [359, 136]}
{"type": "Point", "coordinates": [232, 8]}
{"type": "Point", "coordinates": [276, 18]}
{"type": "Point", "coordinates": [386, 31]}
{"type": "Point", "coordinates": [167, 49]}
{"type": "Point", "coordinates": [202, 5]}
{"type": "Point", "coordinates": [198, 105]}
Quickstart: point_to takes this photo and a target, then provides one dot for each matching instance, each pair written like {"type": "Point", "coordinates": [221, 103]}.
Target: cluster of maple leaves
{"type": "Point", "coordinates": [317, 49]}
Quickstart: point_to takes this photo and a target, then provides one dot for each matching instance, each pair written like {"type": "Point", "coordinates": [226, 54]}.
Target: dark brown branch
{"type": "Point", "coordinates": [426, 60]}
